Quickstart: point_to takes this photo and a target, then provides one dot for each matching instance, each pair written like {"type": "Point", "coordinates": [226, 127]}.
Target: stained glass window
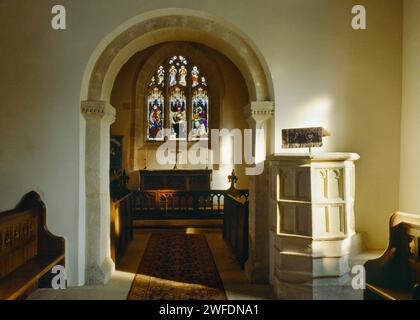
{"type": "Point", "coordinates": [155, 114]}
{"type": "Point", "coordinates": [172, 76]}
{"type": "Point", "coordinates": [200, 104]}
{"type": "Point", "coordinates": [178, 113]}
{"type": "Point", "coordinates": [183, 76]}
{"type": "Point", "coordinates": [161, 76]}
{"type": "Point", "coordinates": [195, 75]}
{"type": "Point", "coordinates": [178, 90]}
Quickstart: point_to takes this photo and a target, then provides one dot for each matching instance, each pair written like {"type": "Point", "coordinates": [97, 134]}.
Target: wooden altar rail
{"type": "Point", "coordinates": [235, 227]}
{"type": "Point", "coordinates": [121, 225]}
{"type": "Point", "coordinates": [163, 204]}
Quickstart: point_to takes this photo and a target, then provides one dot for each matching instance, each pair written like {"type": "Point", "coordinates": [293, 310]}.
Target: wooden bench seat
{"type": "Point", "coordinates": [25, 279]}
{"type": "Point", "coordinates": [380, 293]}
{"type": "Point", "coordinates": [396, 274]}
{"type": "Point", "coordinates": [28, 251]}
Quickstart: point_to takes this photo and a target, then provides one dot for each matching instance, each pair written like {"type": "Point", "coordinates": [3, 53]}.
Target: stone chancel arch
{"type": "Point", "coordinates": [115, 50]}
{"type": "Point", "coordinates": [163, 26]}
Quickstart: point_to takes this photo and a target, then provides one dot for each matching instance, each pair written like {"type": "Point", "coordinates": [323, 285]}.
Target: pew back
{"type": "Point", "coordinates": [28, 250]}
{"type": "Point", "coordinates": [395, 274]}
{"type": "Point", "coordinates": [18, 240]}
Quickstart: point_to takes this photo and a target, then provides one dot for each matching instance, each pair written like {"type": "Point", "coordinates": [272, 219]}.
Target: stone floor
{"type": "Point", "coordinates": [236, 285]}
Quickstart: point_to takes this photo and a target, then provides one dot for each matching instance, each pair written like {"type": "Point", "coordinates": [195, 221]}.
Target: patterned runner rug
{"type": "Point", "coordinates": [177, 267]}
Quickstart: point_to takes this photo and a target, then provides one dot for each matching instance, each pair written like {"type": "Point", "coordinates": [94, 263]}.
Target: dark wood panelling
{"type": "Point", "coordinates": [185, 180]}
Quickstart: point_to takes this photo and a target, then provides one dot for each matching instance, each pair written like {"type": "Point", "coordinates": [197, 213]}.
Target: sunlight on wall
{"type": "Point", "coordinates": [226, 164]}
{"type": "Point", "coordinates": [226, 148]}
{"type": "Point", "coordinates": [315, 113]}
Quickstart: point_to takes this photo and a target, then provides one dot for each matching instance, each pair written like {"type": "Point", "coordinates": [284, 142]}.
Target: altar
{"type": "Point", "coordinates": [177, 179]}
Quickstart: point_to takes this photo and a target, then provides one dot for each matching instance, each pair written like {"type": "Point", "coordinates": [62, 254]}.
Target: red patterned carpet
{"type": "Point", "coordinates": [177, 267]}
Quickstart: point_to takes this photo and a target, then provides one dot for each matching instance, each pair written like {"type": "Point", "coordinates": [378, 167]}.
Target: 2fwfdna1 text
{"type": "Point", "coordinates": [216, 309]}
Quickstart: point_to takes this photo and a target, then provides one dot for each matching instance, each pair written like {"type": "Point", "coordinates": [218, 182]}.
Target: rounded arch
{"type": "Point", "coordinates": [167, 25]}
{"type": "Point", "coordinates": [137, 34]}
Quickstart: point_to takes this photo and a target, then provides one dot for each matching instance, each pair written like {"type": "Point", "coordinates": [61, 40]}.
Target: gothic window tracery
{"type": "Point", "coordinates": [178, 100]}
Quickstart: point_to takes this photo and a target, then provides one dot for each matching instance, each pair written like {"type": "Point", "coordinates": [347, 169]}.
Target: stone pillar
{"type": "Point", "coordinates": [256, 268]}
{"type": "Point", "coordinates": [312, 223]}
{"type": "Point", "coordinates": [99, 116]}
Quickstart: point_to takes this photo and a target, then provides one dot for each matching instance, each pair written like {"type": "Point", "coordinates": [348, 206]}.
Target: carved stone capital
{"type": "Point", "coordinates": [260, 111]}
{"type": "Point", "coordinates": [98, 110]}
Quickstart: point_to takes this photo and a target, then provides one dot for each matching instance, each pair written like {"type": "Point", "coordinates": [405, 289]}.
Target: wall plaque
{"type": "Point", "coordinates": [303, 137]}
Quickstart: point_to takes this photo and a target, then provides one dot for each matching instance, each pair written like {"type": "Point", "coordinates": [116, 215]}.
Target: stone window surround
{"type": "Point", "coordinates": [214, 79]}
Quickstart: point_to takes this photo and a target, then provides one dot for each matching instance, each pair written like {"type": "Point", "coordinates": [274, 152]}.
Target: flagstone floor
{"type": "Point", "coordinates": [234, 280]}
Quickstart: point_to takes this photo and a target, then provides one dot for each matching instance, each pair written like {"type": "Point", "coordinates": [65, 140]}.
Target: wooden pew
{"type": "Point", "coordinates": [28, 251]}
{"type": "Point", "coordinates": [396, 274]}
{"type": "Point", "coordinates": [235, 227]}
{"type": "Point", "coordinates": [121, 226]}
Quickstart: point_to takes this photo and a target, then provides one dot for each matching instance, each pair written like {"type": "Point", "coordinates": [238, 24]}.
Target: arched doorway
{"type": "Point", "coordinates": [111, 54]}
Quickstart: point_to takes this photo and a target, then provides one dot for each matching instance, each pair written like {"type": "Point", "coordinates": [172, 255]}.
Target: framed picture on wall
{"type": "Point", "coordinates": [116, 152]}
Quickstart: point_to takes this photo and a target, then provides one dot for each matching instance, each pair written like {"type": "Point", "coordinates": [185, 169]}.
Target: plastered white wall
{"type": "Point", "coordinates": [324, 73]}
{"type": "Point", "coordinates": [410, 125]}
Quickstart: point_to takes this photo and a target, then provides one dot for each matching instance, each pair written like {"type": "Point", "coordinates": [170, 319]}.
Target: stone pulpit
{"type": "Point", "coordinates": [312, 222]}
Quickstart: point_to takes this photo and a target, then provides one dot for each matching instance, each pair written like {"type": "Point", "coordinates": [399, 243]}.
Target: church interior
{"type": "Point", "coordinates": [213, 150]}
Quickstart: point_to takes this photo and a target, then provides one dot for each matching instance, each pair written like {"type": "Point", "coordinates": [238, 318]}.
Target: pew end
{"type": "Point", "coordinates": [396, 274]}
{"type": "Point", "coordinates": [28, 250]}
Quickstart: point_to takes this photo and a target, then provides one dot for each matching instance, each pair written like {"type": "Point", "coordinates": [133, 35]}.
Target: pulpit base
{"type": "Point", "coordinates": [307, 269]}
